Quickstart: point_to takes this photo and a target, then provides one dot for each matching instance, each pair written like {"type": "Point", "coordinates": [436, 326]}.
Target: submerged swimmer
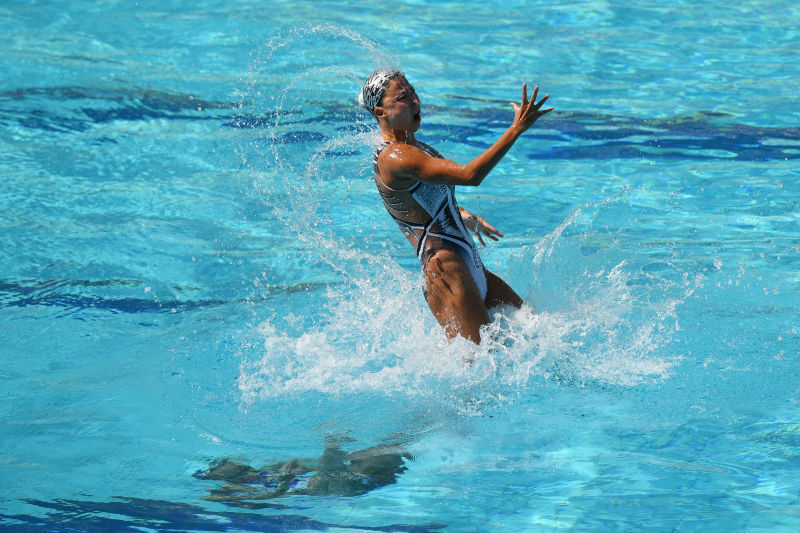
{"type": "Point", "coordinates": [417, 187]}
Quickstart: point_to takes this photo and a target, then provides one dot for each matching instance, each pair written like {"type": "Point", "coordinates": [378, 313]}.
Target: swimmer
{"type": "Point", "coordinates": [417, 187]}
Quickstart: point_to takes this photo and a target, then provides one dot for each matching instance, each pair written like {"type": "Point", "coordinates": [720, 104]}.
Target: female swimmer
{"type": "Point", "coordinates": [417, 187]}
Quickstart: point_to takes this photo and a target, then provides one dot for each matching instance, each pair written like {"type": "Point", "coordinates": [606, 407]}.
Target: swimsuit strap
{"type": "Point", "coordinates": [427, 228]}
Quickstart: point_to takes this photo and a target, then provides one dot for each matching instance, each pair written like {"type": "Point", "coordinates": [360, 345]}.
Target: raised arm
{"type": "Point", "coordinates": [404, 162]}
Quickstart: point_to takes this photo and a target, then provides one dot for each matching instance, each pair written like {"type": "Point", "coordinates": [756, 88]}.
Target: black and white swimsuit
{"type": "Point", "coordinates": [428, 215]}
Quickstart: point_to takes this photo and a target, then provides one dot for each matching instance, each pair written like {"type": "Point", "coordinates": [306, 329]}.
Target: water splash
{"type": "Point", "coordinates": [594, 313]}
{"type": "Point", "coordinates": [598, 328]}
{"type": "Point", "coordinates": [304, 175]}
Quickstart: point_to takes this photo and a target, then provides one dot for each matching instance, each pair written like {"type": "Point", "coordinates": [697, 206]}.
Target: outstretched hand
{"type": "Point", "coordinates": [479, 226]}
{"type": "Point", "coordinates": [528, 111]}
{"type": "Point", "coordinates": [484, 228]}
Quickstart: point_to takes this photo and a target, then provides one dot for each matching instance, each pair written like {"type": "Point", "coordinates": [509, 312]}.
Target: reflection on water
{"type": "Point", "coordinates": [335, 473]}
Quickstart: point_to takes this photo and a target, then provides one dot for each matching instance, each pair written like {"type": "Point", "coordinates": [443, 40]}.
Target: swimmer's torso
{"type": "Point", "coordinates": [427, 214]}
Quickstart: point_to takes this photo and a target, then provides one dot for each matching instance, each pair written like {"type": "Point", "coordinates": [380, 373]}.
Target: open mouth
{"type": "Point", "coordinates": [417, 118]}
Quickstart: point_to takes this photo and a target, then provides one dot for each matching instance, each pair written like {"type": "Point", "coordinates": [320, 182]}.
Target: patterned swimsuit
{"type": "Point", "coordinates": [428, 215]}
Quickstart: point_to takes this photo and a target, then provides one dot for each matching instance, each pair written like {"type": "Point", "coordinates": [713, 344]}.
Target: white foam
{"type": "Point", "coordinates": [582, 322]}
{"type": "Point", "coordinates": [378, 335]}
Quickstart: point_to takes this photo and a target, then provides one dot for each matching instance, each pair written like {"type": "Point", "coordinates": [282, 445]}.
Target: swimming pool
{"type": "Point", "coordinates": [197, 269]}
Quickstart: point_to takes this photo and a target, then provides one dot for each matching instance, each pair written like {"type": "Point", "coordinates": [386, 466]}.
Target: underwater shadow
{"type": "Point", "coordinates": [335, 473]}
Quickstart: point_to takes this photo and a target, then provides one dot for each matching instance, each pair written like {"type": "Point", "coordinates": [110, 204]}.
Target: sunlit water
{"type": "Point", "coordinates": [197, 266]}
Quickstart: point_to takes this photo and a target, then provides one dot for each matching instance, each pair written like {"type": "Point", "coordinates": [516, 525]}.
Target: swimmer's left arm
{"type": "Point", "coordinates": [479, 226]}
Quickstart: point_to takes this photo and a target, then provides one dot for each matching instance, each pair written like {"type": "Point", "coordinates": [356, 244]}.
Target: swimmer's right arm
{"type": "Point", "coordinates": [406, 162]}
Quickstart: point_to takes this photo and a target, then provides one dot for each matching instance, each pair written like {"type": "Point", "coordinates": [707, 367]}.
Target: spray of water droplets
{"type": "Point", "coordinates": [307, 146]}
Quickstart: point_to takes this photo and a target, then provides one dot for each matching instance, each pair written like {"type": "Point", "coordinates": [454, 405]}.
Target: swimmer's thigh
{"type": "Point", "coordinates": [453, 296]}
{"type": "Point", "coordinates": [498, 292]}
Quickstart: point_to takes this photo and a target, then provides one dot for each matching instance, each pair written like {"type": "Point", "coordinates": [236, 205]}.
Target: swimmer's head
{"type": "Point", "coordinates": [373, 89]}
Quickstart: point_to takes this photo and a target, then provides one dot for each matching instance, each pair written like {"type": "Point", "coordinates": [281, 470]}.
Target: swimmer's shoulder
{"type": "Point", "coordinates": [402, 158]}
{"type": "Point", "coordinates": [398, 164]}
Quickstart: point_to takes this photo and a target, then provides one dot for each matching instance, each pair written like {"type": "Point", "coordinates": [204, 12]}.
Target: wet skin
{"type": "Point", "coordinates": [451, 292]}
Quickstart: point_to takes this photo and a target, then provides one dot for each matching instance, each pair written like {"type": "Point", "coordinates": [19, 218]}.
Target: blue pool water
{"type": "Point", "coordinates": [197, 270]}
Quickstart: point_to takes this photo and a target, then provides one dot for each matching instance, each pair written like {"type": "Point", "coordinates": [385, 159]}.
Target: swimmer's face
{"type": "Point", "coordinates": [400, 106]}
